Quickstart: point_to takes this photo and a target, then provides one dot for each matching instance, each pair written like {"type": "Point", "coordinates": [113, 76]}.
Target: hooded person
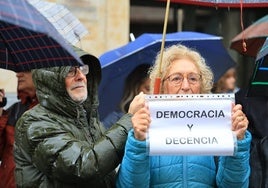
{"type": "Point", "coordinates": [61, 142]}
{"type": "Point", "coordinates": [27, 96]}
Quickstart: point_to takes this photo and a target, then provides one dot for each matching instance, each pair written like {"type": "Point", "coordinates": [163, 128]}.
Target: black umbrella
{"type": "Point", "coordinates": [29, 41]}
{"type": "Point", "coordinates": [259, 80]}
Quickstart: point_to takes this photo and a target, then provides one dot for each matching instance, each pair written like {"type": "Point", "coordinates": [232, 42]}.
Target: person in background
{"type": "Point", "coordinates": [2, 126]}
{"type": "Point", "coordinates": [61, 141]}
{"type": "Point", "coordinates": [137, 81]}
{"type": "Point", "coordinates": [3, 100]}
{"type": "Point", "coordinates": [227, 83]}
{"type": "Point", "coordinates": [184, 71]}
{"type": "Point", "coordinates": [256, 109]}
{"type": "Point", "coordinates": [27, 95]}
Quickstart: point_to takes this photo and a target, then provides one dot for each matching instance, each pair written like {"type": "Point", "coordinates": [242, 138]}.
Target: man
{"type": "Point", "coordinates": [61, 142]}
{"type": "Point", "coordinates": [8, 119]}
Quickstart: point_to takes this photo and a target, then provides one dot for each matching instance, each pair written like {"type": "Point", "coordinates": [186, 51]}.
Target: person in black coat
{"type": "Point", "coordinates": [256, 110]}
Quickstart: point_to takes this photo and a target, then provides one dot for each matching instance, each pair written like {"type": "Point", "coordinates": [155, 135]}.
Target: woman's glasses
{"type": "Point", "coordinates": [177, 78]}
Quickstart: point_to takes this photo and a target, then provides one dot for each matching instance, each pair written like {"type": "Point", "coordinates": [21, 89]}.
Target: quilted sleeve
{"type": "Point", "coordinates": [234, 170]}
{"type": "Point", "coordinates": [134, 170]}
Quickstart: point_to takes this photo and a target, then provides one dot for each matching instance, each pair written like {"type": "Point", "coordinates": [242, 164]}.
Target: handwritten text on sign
{"type": "Point", "coordinates": [191, 125]}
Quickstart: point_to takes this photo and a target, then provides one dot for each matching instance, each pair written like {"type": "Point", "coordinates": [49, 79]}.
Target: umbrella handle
{"type": "Point", "coordinates": [244, 44]}
{"type": "Point", "coordinates": [158, 79]}
{"type": "Point", "coordinates": [157, 85]}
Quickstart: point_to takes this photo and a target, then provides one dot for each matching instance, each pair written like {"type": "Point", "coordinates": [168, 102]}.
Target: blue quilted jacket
{"type": "Point", "coordinates": [139, 170]}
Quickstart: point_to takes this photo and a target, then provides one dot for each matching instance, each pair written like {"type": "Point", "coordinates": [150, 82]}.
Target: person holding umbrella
{"type": "Point", "coordinates": [184, 71]}
{"type": "Point", "coordinates": [61, 142]}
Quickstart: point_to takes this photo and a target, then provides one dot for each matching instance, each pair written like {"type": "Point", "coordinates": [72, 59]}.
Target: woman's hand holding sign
{"type": "Point", "coordinates": [239, 122]}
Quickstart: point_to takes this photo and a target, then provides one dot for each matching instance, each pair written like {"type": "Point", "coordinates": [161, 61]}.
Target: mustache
{"type": "Point", "coordinates": [76, 85]}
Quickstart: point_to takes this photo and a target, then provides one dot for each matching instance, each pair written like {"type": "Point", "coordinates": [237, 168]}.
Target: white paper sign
{"type": "Point", "coordinates": [191, 124]}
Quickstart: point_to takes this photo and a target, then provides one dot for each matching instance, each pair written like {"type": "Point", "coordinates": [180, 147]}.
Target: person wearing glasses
{"type": "Point", "coordinates": [61, 142]}
{"type": "Point", "coordinates": [184, 71]}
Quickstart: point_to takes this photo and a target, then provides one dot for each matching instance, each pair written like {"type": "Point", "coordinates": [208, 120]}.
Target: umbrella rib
{"type": "Point", "coordinates": [259, 83]}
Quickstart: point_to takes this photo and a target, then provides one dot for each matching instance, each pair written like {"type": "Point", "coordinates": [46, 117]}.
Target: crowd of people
{"type": "Point", "coordinates": [53, 136]}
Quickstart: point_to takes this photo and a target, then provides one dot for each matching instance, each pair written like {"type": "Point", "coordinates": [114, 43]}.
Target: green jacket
{"type": "Point", "coordinates": [60, 143]}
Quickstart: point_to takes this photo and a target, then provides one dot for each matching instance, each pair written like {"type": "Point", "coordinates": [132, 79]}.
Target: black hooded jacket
{"type": "Point", "coordinates": [60, 143]}
{"type": "Point", "coordinates": [256, 109]}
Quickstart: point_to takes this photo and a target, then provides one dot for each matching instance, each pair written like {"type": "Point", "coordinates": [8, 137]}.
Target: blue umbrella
{"type": "Point", "coordinates": [259, 80]}
{"type": "Point", "coordinates": [118, 63]}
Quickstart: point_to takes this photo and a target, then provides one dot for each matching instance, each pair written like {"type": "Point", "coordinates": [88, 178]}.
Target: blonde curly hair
{"type": "Point", "coordinates": [176, 52]}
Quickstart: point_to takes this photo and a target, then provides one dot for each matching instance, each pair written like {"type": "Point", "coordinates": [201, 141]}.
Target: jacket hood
{"type": "Point", "coordinates": [90, 60]}
{"type": "Point", "coordinates": [51, 90]}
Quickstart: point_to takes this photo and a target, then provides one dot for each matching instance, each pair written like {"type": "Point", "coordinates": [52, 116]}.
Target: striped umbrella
{"type": "Point", "coordinates": [29, 41]}
{"type": "Point", "coordinates": [62, 19]}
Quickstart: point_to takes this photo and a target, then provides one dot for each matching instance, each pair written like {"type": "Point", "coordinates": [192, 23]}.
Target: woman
{"type": "Point", "coordinates": [184, 71]}
{"type": "Point", "coordinates": [137, 81]}
{"type": "Point", "coordinates": [227, 83]}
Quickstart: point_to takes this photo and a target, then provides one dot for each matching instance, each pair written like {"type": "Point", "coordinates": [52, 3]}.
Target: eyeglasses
{"type": "Point", "coordinates": [73, 70]}
{"type": "Point", "coordinates": [177, 78]}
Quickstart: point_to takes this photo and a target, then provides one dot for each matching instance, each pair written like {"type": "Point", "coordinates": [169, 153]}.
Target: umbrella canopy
{"type": "Point", "coordinates": [223, 3]}
{"type": "Point", "coordinates": [117, 64]}
{"type": "Point", "coordinates": [29, 41]}
{"type": "Point", "coordinates": [259, 80]}
{"type": "Point", "coordinates": [62, 19]}
{"type": "Point", "coordinates": [254, 37]}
